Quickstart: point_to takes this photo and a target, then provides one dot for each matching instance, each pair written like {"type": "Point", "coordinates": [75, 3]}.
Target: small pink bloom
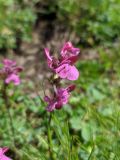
{"type": "Point", "coordinates": [2, 154]}
{"type": "Point", "coordinates": [64, 67]}
{"type": "Point", "coordinates": [61, 97]}
{"type": "Point", "coordinates": [10, 72]}
{"type": "Point", "coordinates": [13, 78]}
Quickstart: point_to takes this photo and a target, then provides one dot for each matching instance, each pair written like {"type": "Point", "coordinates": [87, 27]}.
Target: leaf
{"type": "Point", "coordinates": [86, 132]}
{"type": "Point", "coordinates": [76, 123]}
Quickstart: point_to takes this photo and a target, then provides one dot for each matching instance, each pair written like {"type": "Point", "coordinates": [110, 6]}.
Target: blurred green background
{"type": "Point", "coordinates": [94, 21]}
{"type": "Point", "coordinates": [90, 123]}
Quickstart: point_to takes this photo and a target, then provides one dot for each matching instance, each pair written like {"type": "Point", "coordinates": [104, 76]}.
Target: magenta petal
{"type": "Point", "coordinates": [49, 58]}
{"type": "Point", "coordinates": [8, 62]}
{"type": "Point", "coordinates": [2, 155]}
{"type": "Point", "coordinates": [68, 50]}
{"type": "Point", "coordinates": [67, 71]}
{"type": "Point", "coordinates": [62, 70]}
{"type": "Point", "coordinates": [18, 69]}
{"type": "Point", "coordinates": [51, 103]}
{"type": "Point", "coordinates": [75, 51]}
{"type": "Point", "coordinates": [13, 78]}
{"type": "Point", "coordinates": [59, 106]}
{"type": "Point", "coordinates": [70, 88]}
{"type": "Point", "coordinates": [73, 73]}
{"type": "Point", "coordinates": [5, 149]}
{"type": "Point", "coordinates": [1, 152]}
{"type": "Point", "coordinates": [65, 48]}
{"type": "Point", "coordinates": [47, 99]}
{"type": "Point", "coordinates": [47, 53]}
{"type": "Point", "coordinates": [73, 59]}
{"type": "Point", "coordinates": [5, 158]}
{"type": "Point", "coordinates": [63, 95]}
{"type": "Point", "coordinates": [51, 106]}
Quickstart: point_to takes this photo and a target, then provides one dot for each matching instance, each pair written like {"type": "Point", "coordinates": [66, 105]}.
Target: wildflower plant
{"type": "Point", "coordinates": [9, 73]}
{"type": "Point", "coordinates": [91, 131]}
{"type": "Point", "coordinates": [64, 67]}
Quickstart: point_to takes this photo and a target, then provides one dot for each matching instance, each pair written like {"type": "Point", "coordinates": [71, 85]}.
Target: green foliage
{"type": "Point", "coordinates": [85, 129]}
{"type": "Point", "coordinates": [94, 20]}
{"type": "Point", "coordinates": [16, 19]}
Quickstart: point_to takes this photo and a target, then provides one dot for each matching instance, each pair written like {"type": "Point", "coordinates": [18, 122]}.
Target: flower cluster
{"type": "Point", "coordinates": [10, 71]}
{"type": "Point", "coordinates": [64, 67]}
{"type": "Point", "coordinates": [2, 154]}
{"type": "Point", "coordinates": [60, 98]}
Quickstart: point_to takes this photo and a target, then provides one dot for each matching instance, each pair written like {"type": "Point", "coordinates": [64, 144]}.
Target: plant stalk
{"type": "Point", "coordinates": [7, 105]}
{"type": "Point", "coordinates": [50, 138]}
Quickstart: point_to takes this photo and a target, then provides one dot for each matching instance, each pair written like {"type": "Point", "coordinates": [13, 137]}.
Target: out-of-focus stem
{"type": "Point", "coordinates": [7, 105]}
{"type": "Point", "coordinates": [50, 138]}
{"type": "Point", "coordinates": [54, 83]}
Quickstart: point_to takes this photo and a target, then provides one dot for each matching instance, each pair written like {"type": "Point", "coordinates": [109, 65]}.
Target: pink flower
{"type": "Point", "coordinates": [68, 50]}
{"type": "Point", "coordinates": [13, 78]}
{"type": "Point", "coordinates": [10, 72]}
{"type": "Point", "coordinates": [60, 98]}
{"type": "Point", "coordinates": [2, 154]}
{"type": "Point", "coordinates": [64, 66]}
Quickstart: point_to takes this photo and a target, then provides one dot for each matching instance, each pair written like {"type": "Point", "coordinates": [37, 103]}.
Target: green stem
{"type": "Point", "coordinates": [7, 105]}
{"type": "Point", "coordinates": [91, 153]}
{"type": "Point", "coordinates": [50, 138]}
{"type": "Point", "coordinates": [71, 146]}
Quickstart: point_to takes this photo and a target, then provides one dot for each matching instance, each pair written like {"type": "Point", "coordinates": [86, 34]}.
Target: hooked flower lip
{"type": "Point", "coordinates": [69, 50]}
{"type": "Point", "coordinates": [49, 58]}
{"type": "Point", "coordinates": [61, 98]}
